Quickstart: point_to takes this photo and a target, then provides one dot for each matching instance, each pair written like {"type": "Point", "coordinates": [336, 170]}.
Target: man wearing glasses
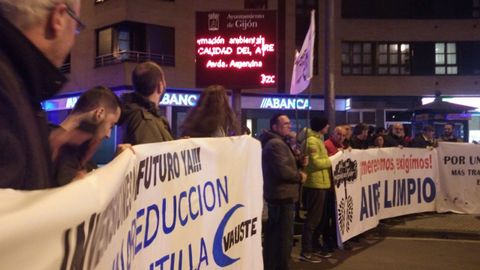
{"type": "Point", "coordinates": [36, 37]}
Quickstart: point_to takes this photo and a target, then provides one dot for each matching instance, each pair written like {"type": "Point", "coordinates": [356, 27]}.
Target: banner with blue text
{"type": "Point", "coordinates": [375, 184]}
{"type": "Point", "coordinates": [186, 204]}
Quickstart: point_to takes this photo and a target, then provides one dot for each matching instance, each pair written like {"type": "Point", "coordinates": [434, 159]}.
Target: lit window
{"type": "Point", "coordinates": [357, 58]}
{"type": "Point", "coordinates": [446, 58]}
{"type": "Point", "coordinates": [393, 59]}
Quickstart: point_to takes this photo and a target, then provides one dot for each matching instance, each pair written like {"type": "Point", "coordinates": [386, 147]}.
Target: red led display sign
{"type": "Point", "coordinates": [236, 49]}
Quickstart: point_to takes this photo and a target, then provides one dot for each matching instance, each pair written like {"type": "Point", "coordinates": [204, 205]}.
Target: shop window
{"type": "Point", "coordinates": [393, 59]}
{"type": "Point", "coordinates": [446, 58]}
{"type": "Point", "coordinates": [368, 118]}
{"type": "Point", "coordinates": [357, 58]}
{"type": "Point", "coordinates": [398, 116]}
{"type": "Point", "coordinates": [356, 117]}
{"type": "Point", "coordinates": [353, 118]}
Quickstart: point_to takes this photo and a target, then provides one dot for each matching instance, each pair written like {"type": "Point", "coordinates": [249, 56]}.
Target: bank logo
{"type": "Point", "coordinates": [213, 21]}
{"type": "Point", "coordinates": [345, 171]}
{"type": "Point", "coordinates": [285, 103]}
{"type": "Point", "coordinates": [226, 240]}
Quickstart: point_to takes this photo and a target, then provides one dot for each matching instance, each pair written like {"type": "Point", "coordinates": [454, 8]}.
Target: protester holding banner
{"type": "Point", "coordinates": [425, 139]}
{"type": "Point", "coordinates": [378, 141]}
{"type": "Point", "coordinates": [281, 180]}
{"type": "Point", "coordinates": [36, 37]}
{"type": "Point", "coordinates": [211, 116]}
{"type": "Point", "coordinates": [329, 236]}
{"type": "Point", "coordinates": [78, 137]}
{"type": "Point", "coordinates": [142, 121]}
{"type": "Point", "coordinates": [315, 189]}
{"type": "Point", "coordinates": [448, 134]}
{"type": "Point", "coordinates": [396, 136]}
{"type": "Point", "coordinates": [335, 142]}
{"type": "Point", "coordinates": [360, 137]}
{"type": "Point", "coordinates": [348, 136]}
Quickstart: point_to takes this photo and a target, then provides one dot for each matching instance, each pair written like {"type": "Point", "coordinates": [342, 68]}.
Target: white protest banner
{"type": "Point", "coordinates": [382, 183]}
{"type": "Point", "coordinates": [460, 178]}
{"type": "Point", "coordinates": [303, 65]}
{"type": "Point", "coordinates": [186, 204]}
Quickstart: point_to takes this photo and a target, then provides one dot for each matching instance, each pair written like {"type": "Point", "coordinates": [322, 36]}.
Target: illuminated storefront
{"type": "Point", "coordinates": [473, 117]}
{"type": "Point", "coordinates": [257, 109]}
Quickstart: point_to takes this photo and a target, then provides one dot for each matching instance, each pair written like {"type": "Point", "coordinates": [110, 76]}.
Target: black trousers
{"type": "Point", "coordinates": [314, 202]}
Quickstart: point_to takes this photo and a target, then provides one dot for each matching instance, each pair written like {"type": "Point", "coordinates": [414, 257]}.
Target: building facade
{"type": "Point", "coordinates": [386, 55]}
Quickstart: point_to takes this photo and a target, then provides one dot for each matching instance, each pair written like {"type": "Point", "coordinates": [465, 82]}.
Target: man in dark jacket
{"type": "Point", "coordinates": [425, 139]}
{"type": "Point", "coordinates": [360, 137]}
{"type": "Point", "coordinates": [396, 136]}
{"type": "Point", "coordinates": [281, 180]}
{"type": "Point", "coordinates": [35, 40]}
{"type": "Point", "coordinates": [143, 122]}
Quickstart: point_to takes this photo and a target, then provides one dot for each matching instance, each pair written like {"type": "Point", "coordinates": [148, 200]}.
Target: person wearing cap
{"type": "Point", "coordinates": [425, 139]}
{"type": "Point", "coordinates": [315, 189]}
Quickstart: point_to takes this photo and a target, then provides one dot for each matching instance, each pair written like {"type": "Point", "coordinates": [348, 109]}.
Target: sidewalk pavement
{"type": "Point", "coordinates": [423, 225]}
{"type": "Point", "coordinates": [432, 225]}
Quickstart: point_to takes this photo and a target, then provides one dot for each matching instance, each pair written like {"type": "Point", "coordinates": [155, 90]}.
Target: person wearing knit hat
{"type": "Point", "coordinates": [318, 123]}
{"type": "Point", "coordinates": [315, 190]}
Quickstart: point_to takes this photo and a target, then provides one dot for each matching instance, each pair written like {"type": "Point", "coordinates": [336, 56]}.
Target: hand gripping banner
{"type": "Point", "coordinates": [186, 204]}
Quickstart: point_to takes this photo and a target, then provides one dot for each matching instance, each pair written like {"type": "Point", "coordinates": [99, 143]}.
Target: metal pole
{"type": "Point", "coordinates": [329, 56]}
{"type": "Point", "coordinates": [281, 46]}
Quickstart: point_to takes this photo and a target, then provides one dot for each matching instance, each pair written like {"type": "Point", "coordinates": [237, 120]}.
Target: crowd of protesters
{"type": "Point", "coordinates": [297, 176]}
{"type": "Point", "coordinates": [36, 42]}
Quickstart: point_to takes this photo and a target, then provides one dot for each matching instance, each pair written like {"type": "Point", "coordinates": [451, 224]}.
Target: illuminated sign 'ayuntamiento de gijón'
{"type": "Point", "coordinates": [237, 49]}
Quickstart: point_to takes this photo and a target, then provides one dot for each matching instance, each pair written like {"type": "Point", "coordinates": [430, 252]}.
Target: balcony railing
{"type": "Point", "coordinates": [133, 56]}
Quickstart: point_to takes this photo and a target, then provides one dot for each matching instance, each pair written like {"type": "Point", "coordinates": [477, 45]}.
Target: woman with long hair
{"type": "Point", "coordinates": [211, 116]}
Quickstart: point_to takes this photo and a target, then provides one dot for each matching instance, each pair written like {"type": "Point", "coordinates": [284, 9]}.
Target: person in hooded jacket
{"type": "Point", "coordinates": [315, 189]}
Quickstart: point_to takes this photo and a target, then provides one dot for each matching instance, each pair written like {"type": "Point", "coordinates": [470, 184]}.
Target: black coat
{"type": "Point", "coordinates": [26, 78]}
{"type": "Point", "coordinates": [392, 140]}
{"type": "Point", "coordinates": [420, 142]}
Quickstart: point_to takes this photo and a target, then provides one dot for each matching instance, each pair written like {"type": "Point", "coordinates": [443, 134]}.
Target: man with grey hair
{"type": "Point", "coordinates": [396, 136]}
{"type": "Point", "coordinates": [37, 36]}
